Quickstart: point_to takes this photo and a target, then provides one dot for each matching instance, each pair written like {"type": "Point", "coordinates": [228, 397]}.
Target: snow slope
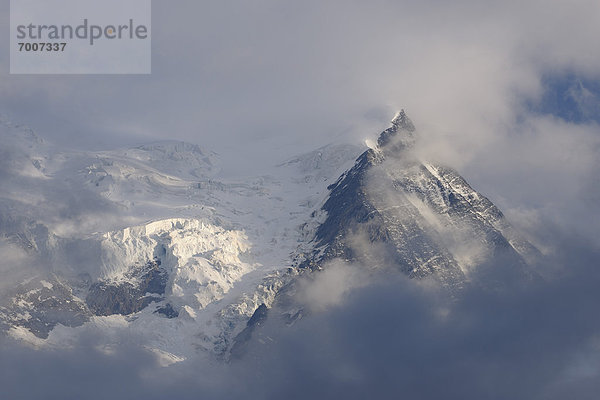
{"type": "Point", "coordinates": [154, 241]}
{"type": "Point", "coordinates": [108, 224]}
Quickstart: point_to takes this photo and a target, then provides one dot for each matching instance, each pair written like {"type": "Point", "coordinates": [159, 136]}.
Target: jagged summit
{"type": "Point", "coordinates": [419, 217]}
{"type": "Point", "coordinates": [398, 136]}
{"type": "Point", "coordinates": [402, 121]}
{"type": "Point", "coordinates": [155, 240]}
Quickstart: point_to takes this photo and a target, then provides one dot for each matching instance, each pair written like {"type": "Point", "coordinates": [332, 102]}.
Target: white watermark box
{"type": "Point", "coordinates": [80, 37]}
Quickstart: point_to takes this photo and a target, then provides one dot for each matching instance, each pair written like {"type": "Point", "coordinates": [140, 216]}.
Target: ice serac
{"type": "Point", "coordinates": [189, 261]}
{"type": "Point", "coordinates": [394, 209]}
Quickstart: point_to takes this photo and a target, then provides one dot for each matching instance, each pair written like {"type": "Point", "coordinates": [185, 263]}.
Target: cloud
{"type": "Point", "coordinates": [261, 81]}
{"type": "Point", "coordinates": [394, 337]}
{"type": "Point", "coordinates": [331, 287]}
{"type": "Point", "coordinates": [586, 100]}
{"type": "Point", "coordinates": [282, 77]}
{"type": "Point", "coordinates": [381, 336]}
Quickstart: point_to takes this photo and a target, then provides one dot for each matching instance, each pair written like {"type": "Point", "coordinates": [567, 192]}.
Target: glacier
{"type": "Point", "coordinates": [156, 240]}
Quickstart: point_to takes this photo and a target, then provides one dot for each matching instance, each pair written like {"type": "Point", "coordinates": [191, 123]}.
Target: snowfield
{"type": "Point", "coordinates": [154, 242]}
{"type": "Point", "coordinates": [226, 243]}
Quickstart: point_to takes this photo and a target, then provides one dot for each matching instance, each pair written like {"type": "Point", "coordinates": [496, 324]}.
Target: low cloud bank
{"type": "Point", "coordinates": [372, 336]}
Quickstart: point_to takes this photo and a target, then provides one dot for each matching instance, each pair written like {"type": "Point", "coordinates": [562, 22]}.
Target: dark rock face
{"type": "Point", "coordinates": [26, 234]}
{"type": "Point", "coordinates": [356, 213]}
{"type": "Point", "coordinates": [259, 316]}
{"type": "Point", "coordinates": [168, 311]}
{"type": "Point", "coordinates": [391, 209]}
{"type": "Point", "coordinates": [40, 305]}
{"type": "Point", "coordinates": [391, 140]}
{"type": "Point", "coordinates": [145, 286]}
{"type": "Point", "coordinates": [105, 299]}
{"type": "Point", "coordinates": [240, 342]}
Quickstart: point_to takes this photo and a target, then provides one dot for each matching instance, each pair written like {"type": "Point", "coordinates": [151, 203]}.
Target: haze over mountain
{"type": "Point", "coordinates": [154, 255]}
{"type": "Point", "coordinates": [176, 235]}
{"type": "Point", "coordinates": [162, 244]}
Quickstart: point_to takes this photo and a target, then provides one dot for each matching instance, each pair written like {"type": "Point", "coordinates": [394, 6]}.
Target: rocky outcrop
{"type": "Point", "coordinates": [168, 311]}
{"type": "Point", "coordinates": [241, 340]}
{"type": "Point", "coordinates": [41, 304]}
{"type": "Point", "coordinates": [392, 209]}
{"type": "Point", "coordinates": [146, 285]}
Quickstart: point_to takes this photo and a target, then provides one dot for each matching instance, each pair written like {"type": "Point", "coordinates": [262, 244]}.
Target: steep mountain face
{"type": "Point", "coordinates": [156, 241]}
{"type": "Point", "coordinates": [396, 212]}
{"type": "Point", "coordinates": [151, 239]}
{"type": "Point", "coordinates": [125, 298]}
{"type": "Point", "coordinates": [38, 305]}
{"type": "Point", "coordinates": [392, 209]}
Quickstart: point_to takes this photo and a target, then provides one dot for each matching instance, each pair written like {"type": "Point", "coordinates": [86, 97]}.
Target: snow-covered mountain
{"type": "Point", "coordinates": [393, 208]}
{"type": "Point", "coordinates": [155, 240]}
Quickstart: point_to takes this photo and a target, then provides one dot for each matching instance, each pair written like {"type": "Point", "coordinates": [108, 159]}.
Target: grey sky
{"type": "Point", "coordinates": [259, 81]}
{"type": "Point", "coordinates": [264, 80]}
{"type": "Point", "coordinates": [281, 77]}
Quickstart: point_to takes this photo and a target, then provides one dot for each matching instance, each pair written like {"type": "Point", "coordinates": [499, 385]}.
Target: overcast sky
{"type": "Point", "coordinates": [507, 92]}
{"type": "Point", "coordinates": [286, 76]}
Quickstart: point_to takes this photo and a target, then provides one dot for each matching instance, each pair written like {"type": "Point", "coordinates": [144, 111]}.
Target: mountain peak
{"type": "Point", "coordinates": [398, 136]}
{"type": "Point", "coordinates": [401, 121]}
